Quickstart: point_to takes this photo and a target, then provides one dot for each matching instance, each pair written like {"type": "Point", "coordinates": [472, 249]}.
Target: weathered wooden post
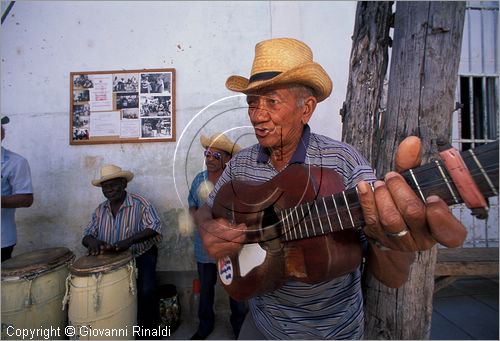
{"type": "Point", "coordinates": [423, 76]}
{"type": "Point", "coordinates": [367, 71]}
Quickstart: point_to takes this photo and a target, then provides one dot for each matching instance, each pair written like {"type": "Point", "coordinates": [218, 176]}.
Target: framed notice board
{"type": "Point", "coordinates": [129, 106]}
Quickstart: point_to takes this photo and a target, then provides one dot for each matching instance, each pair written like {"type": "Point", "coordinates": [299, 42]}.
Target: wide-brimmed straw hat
{"type": "Point", "coordinates": [283, 61]}
{"type": "Point", "coordinates": [220, 141]}
{"type": "Point", "coordinates": [109, 172]}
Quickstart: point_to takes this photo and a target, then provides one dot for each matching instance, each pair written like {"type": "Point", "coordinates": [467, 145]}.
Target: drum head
{"type": "Point", "coordinates": [36, 262]}
{"type": "Point", "coordinates": [106, 262]}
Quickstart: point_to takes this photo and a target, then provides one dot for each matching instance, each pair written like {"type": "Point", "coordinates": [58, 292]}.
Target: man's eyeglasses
{"type": "Point", "coordinates": [215, 155]}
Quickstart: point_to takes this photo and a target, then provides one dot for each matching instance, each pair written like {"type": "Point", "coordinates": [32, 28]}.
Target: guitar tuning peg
{"type": "Point", "coordinates": [442, 144]}
{"type": "Point", "coordinates": [480, 213]}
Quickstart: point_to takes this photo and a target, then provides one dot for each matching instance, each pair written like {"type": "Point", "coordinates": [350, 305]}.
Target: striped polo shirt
{"type": "Point", "coordinates": [327, 310]}
{"type": "Point", "coordinates": [135, 214]}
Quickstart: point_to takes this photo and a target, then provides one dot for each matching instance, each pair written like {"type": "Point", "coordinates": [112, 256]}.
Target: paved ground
{"type": "Point", "coordinates": [465, 310]}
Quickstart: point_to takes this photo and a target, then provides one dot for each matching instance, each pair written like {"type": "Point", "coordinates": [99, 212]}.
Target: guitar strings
{"type": "Point", "coordinates": [288, 229]}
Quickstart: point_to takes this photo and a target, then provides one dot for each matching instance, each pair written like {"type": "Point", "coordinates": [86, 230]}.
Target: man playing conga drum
{"type": "Point", "coordinates": [127, 221]}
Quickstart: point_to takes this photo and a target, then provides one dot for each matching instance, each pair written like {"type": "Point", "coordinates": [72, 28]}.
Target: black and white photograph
{"type": "Point", "coordinates": [82, 82]}
{"type": "Point", "coordinates": [164, 127]}
{"type": "Point", "coordinates": [130, 114]}
{"type": "Point", "coordinates": [156, 127]}
{"type": "Point", "coordinates": [81, 96]}
{"type": "Point", "coordinates": [156, 83]}
{"type": "Point", "coordinates": [127, 100]}
{"type": "Point", "coordinates": [155, 106]}
{"type": "Point", "coordinates": [126, 82]}
{"type": "Point", "coordinates": [147, 125]}
{"type": "Point", "coordinates": [81, 133]}
{"type": "Point", "coordinates": [81, 120]}
{"type": "Point", "coordinates": [81, 110]}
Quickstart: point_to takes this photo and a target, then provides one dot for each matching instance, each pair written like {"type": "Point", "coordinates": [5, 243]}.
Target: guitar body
{"type": "Point", "coordinates": [309, 259]}
{"type": "Point", "coordinates": [266, 273]}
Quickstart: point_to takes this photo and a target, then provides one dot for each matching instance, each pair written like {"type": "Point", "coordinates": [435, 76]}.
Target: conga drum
{"type": "Point", "coordinates": [103, 297]}
{"type": "Point", "coordinates": [33, 287]}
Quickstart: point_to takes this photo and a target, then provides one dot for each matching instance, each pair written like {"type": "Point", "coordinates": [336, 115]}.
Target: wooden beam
{"type": "Point", "coordinates": [467, 262]}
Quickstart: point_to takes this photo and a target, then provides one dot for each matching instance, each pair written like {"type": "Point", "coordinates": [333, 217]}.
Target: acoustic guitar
{"type": "Point", "coordinates": [302, 224]}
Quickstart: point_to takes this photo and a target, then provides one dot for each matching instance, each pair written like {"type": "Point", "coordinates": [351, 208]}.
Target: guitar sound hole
{"type": "Point", "coordinates": [270, 226]}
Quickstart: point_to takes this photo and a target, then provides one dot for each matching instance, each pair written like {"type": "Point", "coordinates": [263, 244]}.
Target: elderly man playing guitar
{"type": "Point", "coordinates": [293, 221]}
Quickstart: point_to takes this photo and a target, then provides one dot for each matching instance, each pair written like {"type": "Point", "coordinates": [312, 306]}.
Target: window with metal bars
{"type": "Point", "coordinates": [478, 120]}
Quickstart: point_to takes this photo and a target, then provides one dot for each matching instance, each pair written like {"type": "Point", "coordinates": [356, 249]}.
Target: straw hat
{"type": "Point", "coordinates": [109, 172]}
{"type": "Point", "coordinates": [220, 141]}
{"type": "Point", "coordinates": [283, 61]}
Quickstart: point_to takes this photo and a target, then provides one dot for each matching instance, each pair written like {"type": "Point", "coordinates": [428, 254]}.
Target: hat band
{"type": "Point", "coordinates": [263, 76]}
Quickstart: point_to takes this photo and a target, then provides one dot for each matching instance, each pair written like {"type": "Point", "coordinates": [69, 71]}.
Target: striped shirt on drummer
{"type": "Point", "coordinates": [327, 310]}
{"type": "Point", "coordinates": [135, 214]}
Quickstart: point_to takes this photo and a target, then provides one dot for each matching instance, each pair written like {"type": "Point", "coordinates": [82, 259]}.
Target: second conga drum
{"type": "Point", "coordinates": [103, 299]}
{"type": "Point", "coordinates": [33, 287]}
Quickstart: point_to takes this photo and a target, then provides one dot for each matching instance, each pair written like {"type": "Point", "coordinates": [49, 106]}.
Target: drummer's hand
{"type": "Point", "coordinates": [221, 238]}
{"type": "Point", "coordinates": [122, 245]}
{"type": "Point", "coordinates": [398, 219]}
{"type": "Point", "coordinates": [97, 247]}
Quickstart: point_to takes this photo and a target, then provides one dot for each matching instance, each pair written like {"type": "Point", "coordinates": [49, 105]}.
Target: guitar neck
{"type": "Point", "coordinates": [342, 210]}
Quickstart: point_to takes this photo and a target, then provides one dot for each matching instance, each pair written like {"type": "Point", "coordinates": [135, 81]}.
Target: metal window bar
{"type": "Point", "coordinates": [484, 95]}
{"type": "Point", "coordinates": [471, 109]}
{"type": "Point", "coordinates": [493, 108]}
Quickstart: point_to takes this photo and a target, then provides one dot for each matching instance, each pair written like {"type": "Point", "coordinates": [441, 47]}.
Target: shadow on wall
{"type": "Point", "coordinates": [176, 252]}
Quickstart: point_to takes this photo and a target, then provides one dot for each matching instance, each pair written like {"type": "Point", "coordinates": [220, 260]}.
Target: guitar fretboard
{"type": "Point", "coordinates": [342, 210]}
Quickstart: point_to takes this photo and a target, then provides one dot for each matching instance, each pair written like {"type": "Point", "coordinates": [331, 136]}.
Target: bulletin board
{"type": "Point", "coordinates": [128, 106]}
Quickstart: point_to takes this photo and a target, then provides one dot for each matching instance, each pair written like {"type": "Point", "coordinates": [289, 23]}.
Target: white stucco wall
{"type": "Point", "coordinates": [42, 42]}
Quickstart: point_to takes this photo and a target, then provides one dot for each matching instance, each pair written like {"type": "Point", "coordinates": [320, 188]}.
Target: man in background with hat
{"type": "Point", "coordinates": [127, 221]}
{"type": "Point", "coordinates": [219, 149]}
{"type": "Point", "coordinates": [282, 93]}
{"type": "Point", "coordinates": [17, 191]}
